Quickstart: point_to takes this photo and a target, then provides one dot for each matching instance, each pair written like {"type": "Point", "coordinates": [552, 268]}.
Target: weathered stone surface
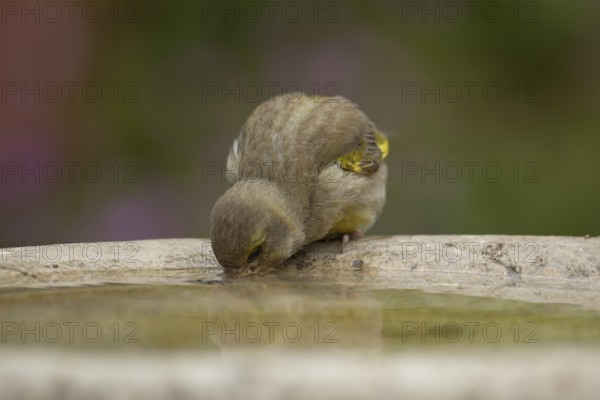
{"type": "Point", "coordinates": [532, 268]}
{"type": "Point", "coordinates": [563, 373]}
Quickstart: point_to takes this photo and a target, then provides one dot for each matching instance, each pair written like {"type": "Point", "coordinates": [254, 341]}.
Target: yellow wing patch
{"type": "Point", "coordinates": [367, 157]}
{"type": "Point", "coordinates": [382, 143]}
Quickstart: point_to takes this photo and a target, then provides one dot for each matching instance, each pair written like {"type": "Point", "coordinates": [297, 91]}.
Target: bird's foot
{"type": "Point", "coordinates": [357, 234]}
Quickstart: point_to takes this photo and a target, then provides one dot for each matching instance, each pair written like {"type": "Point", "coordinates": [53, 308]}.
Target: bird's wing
{"type": "Point", "coordinates": [291, 138]}
{"type": "Point", "coordinates": [233, 162]}
{"type": "Point", "coordinates": [368, 154]}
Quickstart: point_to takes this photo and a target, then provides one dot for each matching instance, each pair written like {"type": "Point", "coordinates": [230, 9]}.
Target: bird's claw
{"type": "Point", "coordinates": [357, 234]}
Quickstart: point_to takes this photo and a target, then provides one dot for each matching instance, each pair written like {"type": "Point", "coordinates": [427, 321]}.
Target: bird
{"type": "Point", "coordinates": [303, 168]}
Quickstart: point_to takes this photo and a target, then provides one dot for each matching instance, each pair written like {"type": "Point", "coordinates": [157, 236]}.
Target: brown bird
{"type": "Point", "coordinates": [305, 168]}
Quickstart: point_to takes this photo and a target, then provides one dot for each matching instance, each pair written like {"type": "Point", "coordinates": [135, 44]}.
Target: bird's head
{"type": "Point", "coordinates": [252, 228]}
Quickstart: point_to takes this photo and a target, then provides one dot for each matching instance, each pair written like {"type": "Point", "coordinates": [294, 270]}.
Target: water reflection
{"type": "Point", "coordinates": [280, 314]}
{"type": "Point", "coordinates": [283, 318]}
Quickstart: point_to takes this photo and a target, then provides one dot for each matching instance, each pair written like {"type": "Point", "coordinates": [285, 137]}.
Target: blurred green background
{"type": "Point", "coordinates": [111, 112]}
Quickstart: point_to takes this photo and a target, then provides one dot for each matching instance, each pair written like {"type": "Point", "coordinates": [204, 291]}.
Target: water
{"type": "Point", "coordinates": [280, 315]}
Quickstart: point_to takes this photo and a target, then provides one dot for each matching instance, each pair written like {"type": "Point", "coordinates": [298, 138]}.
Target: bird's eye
{"type": "Point", "coordinates": [254, 255]}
